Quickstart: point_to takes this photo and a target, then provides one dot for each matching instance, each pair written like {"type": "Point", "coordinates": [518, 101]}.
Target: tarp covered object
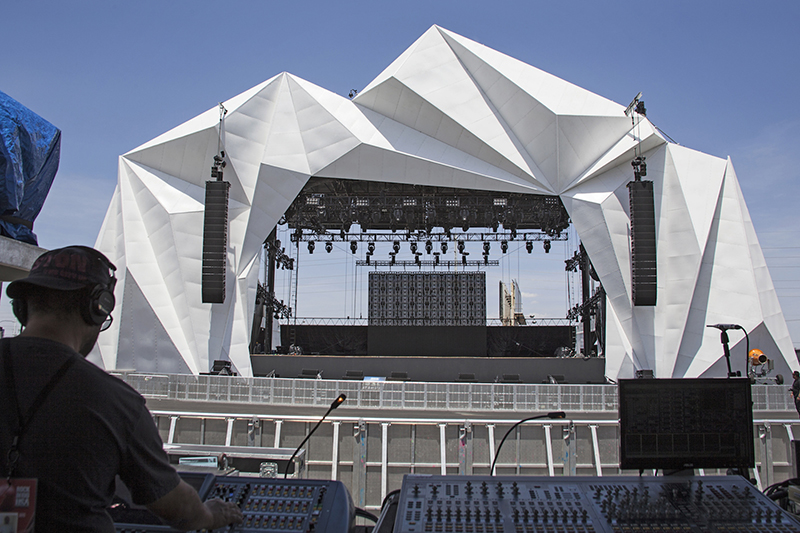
{"type": "Point", "coordinates": [29, 154]}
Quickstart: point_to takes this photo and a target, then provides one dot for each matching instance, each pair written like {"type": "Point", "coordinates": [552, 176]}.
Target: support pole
{"type": "Point", "coordinates": [384, 459]}
{"type": "Point", "coordinates": [360, 463]}
{"type": "Point", "coordinates": [598, 468]}
{"type": "Point", "coordinates": [548, 441]}
{"type": "Point", "coordinates": [443, 449]}
{"type": "Point", "coordinates": [335, 450]}
{"type": "Point", "coordinates": [586, 296]}
{"type": "Point", "coordinates": [268, 341]}
{"type": "Point", "coordinates": [465, 449]}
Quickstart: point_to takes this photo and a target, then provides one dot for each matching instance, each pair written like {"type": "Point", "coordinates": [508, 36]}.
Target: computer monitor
{"type": "Point", "coordinates": [685, 423]}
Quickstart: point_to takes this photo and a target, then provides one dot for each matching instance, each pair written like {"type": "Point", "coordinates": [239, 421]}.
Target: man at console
{"type": "Point", "coordinates": [69, 424]}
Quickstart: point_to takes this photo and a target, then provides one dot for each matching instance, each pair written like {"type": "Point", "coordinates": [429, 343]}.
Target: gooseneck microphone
{"type": "Point", "coordinates": [723, 327]}
{"type": "Point", "coordinates": [723, 337]}
{"type": "Point", "coordinates": [556, 414]}
{"type": "Point", "coordinates": [336, 403]}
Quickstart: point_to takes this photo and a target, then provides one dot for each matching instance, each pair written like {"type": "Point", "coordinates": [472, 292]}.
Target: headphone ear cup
{"type": "Point", "coordinates": [99, 305]}
{"type": "Point", "coordinates": [20, 308]}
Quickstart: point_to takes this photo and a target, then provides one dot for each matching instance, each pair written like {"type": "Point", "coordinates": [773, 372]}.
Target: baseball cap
{"type": "Point", "coordinates": [66, 269]}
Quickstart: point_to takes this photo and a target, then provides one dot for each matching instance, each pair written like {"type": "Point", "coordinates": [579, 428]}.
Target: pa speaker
{"type": "Point", "coordinates": [215, 242]}
{"type": "Point", "coordinates": [643, 242]}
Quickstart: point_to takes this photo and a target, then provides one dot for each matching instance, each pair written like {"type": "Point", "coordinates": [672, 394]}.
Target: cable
{"type": "Point", "coordinates": [554, 415]}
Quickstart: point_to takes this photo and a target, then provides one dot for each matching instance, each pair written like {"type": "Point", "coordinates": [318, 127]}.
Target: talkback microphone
{"type": "Point", "coordinates": [554, 415]}
{"type": "Point", "coordinates": [336, 403]}
{"type": "Point", "coordinates": [723, 327]}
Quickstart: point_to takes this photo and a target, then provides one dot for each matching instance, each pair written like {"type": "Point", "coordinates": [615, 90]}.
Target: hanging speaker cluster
{"type": "Point", "coordinates": [643, 242]}
{"type": "Point", "coordinates": [215, 241]}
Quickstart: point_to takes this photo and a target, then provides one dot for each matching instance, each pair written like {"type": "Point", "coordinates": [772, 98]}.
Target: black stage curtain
{"type": "Point", "coordinates": [528, 341]}
{"type": "Point", "coordinates": [326, 340]}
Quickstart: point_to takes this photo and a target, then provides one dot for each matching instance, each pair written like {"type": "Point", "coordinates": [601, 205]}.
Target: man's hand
{"type": "Point", "coordinates": [224, 513]}
{"type": "Point", "coordinates": [182, 509]}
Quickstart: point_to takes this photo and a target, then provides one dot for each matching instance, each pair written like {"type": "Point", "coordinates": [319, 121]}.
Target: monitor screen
{"type": "Point", "coordinates": [685, 423]}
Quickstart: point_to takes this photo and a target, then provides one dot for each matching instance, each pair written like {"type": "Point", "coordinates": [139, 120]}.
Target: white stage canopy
{"type": "Point", "coordinates": [448, 112]}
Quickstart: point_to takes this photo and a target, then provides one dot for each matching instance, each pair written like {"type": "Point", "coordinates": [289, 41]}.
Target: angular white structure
{"type": "Point", "coordinates": [448, 112]}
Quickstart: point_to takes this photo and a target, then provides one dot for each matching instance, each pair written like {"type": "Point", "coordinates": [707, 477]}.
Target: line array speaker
{"type": "Point", "coordinates": [643, 242]}
{"type": "Point", "coordinates": [215, 241]}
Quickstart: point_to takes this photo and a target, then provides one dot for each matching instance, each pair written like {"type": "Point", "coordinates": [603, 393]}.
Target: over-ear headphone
{"type": "Point", "coordinates": [101, 298]}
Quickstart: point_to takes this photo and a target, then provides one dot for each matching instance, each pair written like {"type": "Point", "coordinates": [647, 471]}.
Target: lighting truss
{"type": "Point", "coordinates": [274, 306]}
{"type": "Point", "coordinates": [421, 237]}
{"type": "Point", "coordinates": [327, 204]}
{"type": "Point", "coordinates": [449, 263]}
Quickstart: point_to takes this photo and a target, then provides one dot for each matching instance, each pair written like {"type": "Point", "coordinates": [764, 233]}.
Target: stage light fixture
{"type": "Point", "coordinates": [504, 246]}
{"type": "Point", "coordinates": [757, 357]}
{"type": "Point", "coordinates": [486, 247]}
{"type": "Point", "coordinates": [311, 246]}
{"type": "Point", "coordinates": [371, 248]}
{"type": "Point", "coordinates": [529, 246]}
{"type": "Point", "coordinates": [314, 199]}
{"type": "Point", "coordinates": [461, 247]}
{"type": "Point", "coordinates": [444, 247]}
{"type": "Point", "coordinates": [547, 246]}
{"type": "Point", "coordinates": [396, 246]}
{"type": "Point", "coordinates": [639, 167]}
{"type": "Point", "coordinates": [413, 247]}
{"type": "Point", "coordinates": [428, 247]}
{"type": "Point", "coordinates": [329, 246]}
{"type": "Point", "coordinates": [353, 246]}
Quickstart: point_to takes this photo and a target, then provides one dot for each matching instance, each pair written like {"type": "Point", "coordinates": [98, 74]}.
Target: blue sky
{"type": "Point", "coordinates": [718, 77]}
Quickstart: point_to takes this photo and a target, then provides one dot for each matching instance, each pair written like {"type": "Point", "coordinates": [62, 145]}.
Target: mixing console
{"type": "Point", "coordinates": [520, 504]}
{"type": "Point", "coordinates": [268, 505]}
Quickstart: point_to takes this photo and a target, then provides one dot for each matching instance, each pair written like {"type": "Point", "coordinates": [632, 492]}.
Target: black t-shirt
{"type": "Point", "coordinates": [90, 428]}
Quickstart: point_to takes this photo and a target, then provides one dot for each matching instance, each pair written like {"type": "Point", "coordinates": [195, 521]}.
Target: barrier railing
{"type": "Point", "coordinates": [406, 394]}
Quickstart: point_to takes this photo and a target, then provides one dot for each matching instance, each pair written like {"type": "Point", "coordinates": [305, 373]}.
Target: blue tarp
{"type": "Point", "coordinates": [30, 148]}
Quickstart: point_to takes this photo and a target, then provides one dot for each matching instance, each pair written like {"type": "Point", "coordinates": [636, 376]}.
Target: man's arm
{"type": "Point", "coordinates": [182, 509]}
